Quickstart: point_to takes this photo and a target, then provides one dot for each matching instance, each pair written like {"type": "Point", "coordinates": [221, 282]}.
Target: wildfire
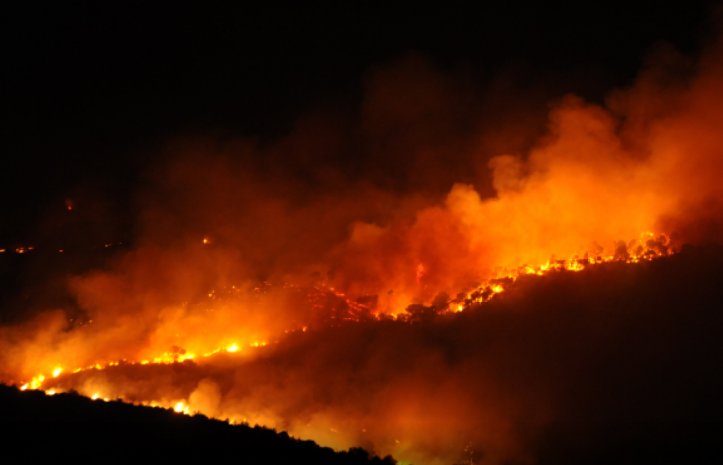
{"type": "Point", "coordinates": [35, 382]}
{"type": "Point", "coordinates": [647, 247]}
{"type": "Point", "coordinates": [181, 407]}
{"type": "Point", "coordinates": [274, 257]}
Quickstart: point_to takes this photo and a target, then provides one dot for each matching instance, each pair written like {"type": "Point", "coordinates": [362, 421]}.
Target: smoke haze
{"type": "Point", "coordinates": [432, 188]}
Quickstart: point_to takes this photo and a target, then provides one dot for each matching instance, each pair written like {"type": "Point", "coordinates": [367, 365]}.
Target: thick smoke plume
{"type": "Point", "coordinates": [430, 189]}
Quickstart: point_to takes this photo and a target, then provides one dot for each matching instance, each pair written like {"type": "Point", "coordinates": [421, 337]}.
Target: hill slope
{"type": "Point", "coordinates": [68, 427]}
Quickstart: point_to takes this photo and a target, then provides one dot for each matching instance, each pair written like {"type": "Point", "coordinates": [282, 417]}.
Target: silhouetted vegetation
{"type": "Point", "coordinates": [68, 428]}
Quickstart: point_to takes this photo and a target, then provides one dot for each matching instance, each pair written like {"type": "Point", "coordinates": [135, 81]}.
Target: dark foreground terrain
{"type": "Point", "coordinates": [68, 428]}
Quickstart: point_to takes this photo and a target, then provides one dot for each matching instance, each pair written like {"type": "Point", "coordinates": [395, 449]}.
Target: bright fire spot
{"type": "Point", "coordinates": [232, 348]}
{"type": "Point", "coordinates": [69, 205]}
{"type": "Point", "coordinates": [51, 392]}
{"type": "Point", "coordinates": [36, 382]}
{"type": "Point", "coordinates": [181, 407]}
{"type": "Point", "coordinates": [206, 240]}
{"type": "Point", "coordinates": [57, 371]}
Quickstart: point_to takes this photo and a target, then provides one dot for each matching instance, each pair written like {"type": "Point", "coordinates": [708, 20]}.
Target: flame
{"type": "Point", "coordinates": [181, 407]}
{"type": "Point", "coordinates": [272, 261]}
{"type": "Point", "coordinates": [649, 246]}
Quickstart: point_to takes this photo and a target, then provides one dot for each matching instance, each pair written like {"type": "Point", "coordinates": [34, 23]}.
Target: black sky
{"type": "Point", "coordinates": [90, 91]}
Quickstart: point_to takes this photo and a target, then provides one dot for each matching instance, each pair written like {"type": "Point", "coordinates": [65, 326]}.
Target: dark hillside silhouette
{"type": "Point", "coordinates": [67, 428]}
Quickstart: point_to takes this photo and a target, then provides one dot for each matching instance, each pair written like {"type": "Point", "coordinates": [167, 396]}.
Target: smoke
{"type": "Point", "coordinates": [557, 363]}
{"type": "Point", "coordinates": [431, 188]}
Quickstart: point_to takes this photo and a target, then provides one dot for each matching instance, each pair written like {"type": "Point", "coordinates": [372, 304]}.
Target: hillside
{"type": "Point", "coordinates": [74, 429]}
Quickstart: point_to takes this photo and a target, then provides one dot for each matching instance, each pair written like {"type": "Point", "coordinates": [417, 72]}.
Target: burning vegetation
{"type": "Point", "coordinates": [369, 303]}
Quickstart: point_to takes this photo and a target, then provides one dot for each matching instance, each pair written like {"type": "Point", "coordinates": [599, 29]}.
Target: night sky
{"type": "Point", "coordinates": [92, 92]}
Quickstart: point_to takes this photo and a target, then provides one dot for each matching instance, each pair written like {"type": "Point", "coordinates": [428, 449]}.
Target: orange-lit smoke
{"type": "Point", "coordinates": [240, 242]}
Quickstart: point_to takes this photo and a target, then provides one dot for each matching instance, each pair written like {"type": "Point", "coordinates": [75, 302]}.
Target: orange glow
{"type": "Point", "coordinates": [181, 407]}
{"type": "Point", "coordinates": [286, 261]}
{"type": "Point", "coordinates": [473, 297]}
